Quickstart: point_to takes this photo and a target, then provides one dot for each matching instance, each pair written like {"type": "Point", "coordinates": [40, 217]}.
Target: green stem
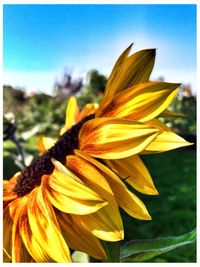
{"type": "Point", "coordinates": [19, 149]}
{"type": "Point", "coordinates": [112, 250]}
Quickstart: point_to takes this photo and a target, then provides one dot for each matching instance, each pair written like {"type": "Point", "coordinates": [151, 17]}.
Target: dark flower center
{"type": "Point", "coordinates": [31, 176]}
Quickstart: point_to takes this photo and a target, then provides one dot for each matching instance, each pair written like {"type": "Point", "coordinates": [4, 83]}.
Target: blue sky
{"type": "Point", "coordinates": [39, 41]}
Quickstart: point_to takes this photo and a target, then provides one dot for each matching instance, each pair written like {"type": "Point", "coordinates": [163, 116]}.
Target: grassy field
{"type": "Point", "coordinates": [173, 211]}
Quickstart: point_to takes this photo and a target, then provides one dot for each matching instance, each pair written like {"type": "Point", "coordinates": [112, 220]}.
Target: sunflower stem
{"type": "Point", "coordinates": [112, 250]}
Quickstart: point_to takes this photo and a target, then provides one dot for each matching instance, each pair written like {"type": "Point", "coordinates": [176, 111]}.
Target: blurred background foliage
{"type": "Point", "coordinates": [174, 173]}
{"type": "Point", "coordinates": [185, 103]}
{"type": "Point", "coordinates": [47, 110]}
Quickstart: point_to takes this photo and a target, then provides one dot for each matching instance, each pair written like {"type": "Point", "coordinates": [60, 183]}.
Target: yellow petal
{"type": "Point", "coordinates": [91, 177]}
{"type": "Point", "coordinates": [164, 141]}
{"type": "Point", "coordinates": [88, 109]}
{"type": "Point", "coordinates": [135, 173]}
{"type": "Point", "coordinates": [172, 114]}
{"type": "Point", "coordinates": [109, 215]}
{"type": "Point", "coordinates": [141, 102]}
{"type": "Point", "coordinates": [70, 205]}
{"type": "Point", "coordinates": [72, 114]}
{"type": "Point", "coordinates": [45, 227]}
{"type": "Point", "coordinates": [78, 238]}
{"type": "Point", "coordinates": [130, 71]}
{"type": "Point", "coordinates": [102, 225]}
{"type": "Point", "coordinates": [156, 123]}
{"type": "Point", "coordinates": [114, 73]}
{"type": "Point", "coordinates": [6, 256]}
{"type": "Point", "coordinates": [45, 143]}
{"type": "Point", "coordinates": [19, 252]}
{"type": "Point", "coordinates": [117, 65]}
{"type": "Point", "coordinates": [11, 236]}
{"type": "Point", "coordinates": [8, 185]}
{"type": "Point", "coordinates": [8, 196]}
{"type": "Point", "coordinates": [114, 138]}
{"type": "Point", "coordinates": [7, 231]}
{"type": "Point", "coordinates": [32, 245]}
{"type": "Point", "coordinates": [28, 239]}
{"type": "Point", "coordinates": [70, 195]}
{"type": "Point", "coordinates": [126, 200]}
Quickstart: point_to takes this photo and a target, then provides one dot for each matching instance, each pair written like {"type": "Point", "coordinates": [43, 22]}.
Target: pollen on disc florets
{"type": "Point", "coordinates": [31, 176]}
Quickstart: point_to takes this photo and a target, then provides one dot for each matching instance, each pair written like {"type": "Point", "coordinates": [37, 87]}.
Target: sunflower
{"type": "Point", "coordinates": [70, 196]}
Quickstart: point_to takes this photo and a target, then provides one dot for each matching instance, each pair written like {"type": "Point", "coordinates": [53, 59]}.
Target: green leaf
{"type": "Point", "coordinates": [143, 250]}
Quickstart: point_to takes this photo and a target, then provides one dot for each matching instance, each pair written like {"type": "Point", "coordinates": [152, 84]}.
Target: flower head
{"type": "Point", "coordinates": [70, 196]}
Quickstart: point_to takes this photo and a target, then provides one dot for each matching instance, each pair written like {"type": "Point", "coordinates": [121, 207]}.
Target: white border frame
{"type": "Point", "coordinates": [116, 2]}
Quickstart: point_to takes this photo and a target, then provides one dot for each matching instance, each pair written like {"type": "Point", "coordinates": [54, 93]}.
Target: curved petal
{"type": "Point", "coordinates": [102, 225]}
{"type": "Point", "coordinates": [126, 200]}
{"type": "Point", "coordinates": [111, 138]}
{"type": "Point", "coordinates": [72, 114]}
{"type": "Point", "coordinates": [11, 240]}
{"type": "Point", "coordinates": [141, 102]}
{"type": "Point", "coordinates": [32, 245]}
{"type": "Point", "coordinates": [45, 143]}
{"type": "Point", "coordinates": [45, 227]}
{"type": "Point", "coordinates": [172, 114]}
{"type": "Point", "coordinates": [88, 109]}
{"type": "Point", "coordinates": [109, 216]}
{"type": "Point", "coordinates": [158, 124]}
{"type": "Point", "coordinates": [165, 141]}
{"type": "Point", "coordinates": [117, 66]}
{"type": "Point", "coordinates": [8, 185]}
{"type": "Point", "coordinates": [128, 72]}
{"type": "Point", "coordinates": [70, 205]}
{"type": "Point", "coordinates": [114, 73]}
{"type": "Point", "coordinates": [7, 231]}
{"type": "Point", "coordinates": [9, 196]}
{"type": "Point", "coordinates": [19, 252]}
{"type": "Point", "coordinates": [6, 256]}
{"type": "Point", "coordinates": [91, 177]}
{"type": "Point", "coordinates": [135, 173]}
{"type": "Point", "coordinates": [78, 238]}
{"type": "Point", "coordinates": [68, 194]}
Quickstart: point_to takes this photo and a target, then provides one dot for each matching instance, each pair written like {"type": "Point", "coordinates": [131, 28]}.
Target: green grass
{"type": "Point", "coordinates": [9, 167]}
{"type": "Point", "coordinates": [173, 211]}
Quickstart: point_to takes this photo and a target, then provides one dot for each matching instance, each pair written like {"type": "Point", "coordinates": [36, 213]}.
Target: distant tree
{"type": "Point", "coordinates": [68, 86]}
{"type": "Point", "coordinates": [185, 103]}
{"type": "Point", "coordinates": [96, 82]}
{"type": "Point", "coordinates": [186, 90]}
{"type": "Point", "coordinates": [93, 88]}
{"type": "Point", "coordinates": [160, 79]}
{"type": "Point", "coordinates": [13, 99]}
